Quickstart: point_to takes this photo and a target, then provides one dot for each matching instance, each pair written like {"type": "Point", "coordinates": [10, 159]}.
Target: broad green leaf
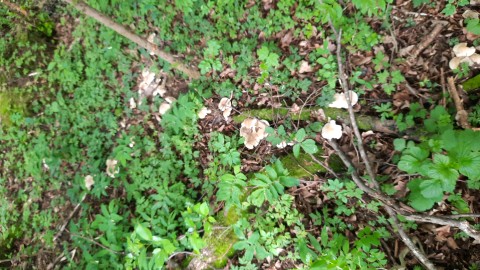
{"type": "Point", "coordinates": [309, 146]}
{"type": "Point", "coordinates": [399, 144]}
{"type": "Point", "coordinates": [300, 135]}
{"type": "Point", "coordinates": [417, 200]}
{"type": "Point", "coordinates": [431, 188]}
{"type": "Point", "coordinates": [470, 165]}
{"type": "Point", "coordinates": [143, 232]}
{"type": "Point", "coordinates": [296, 150]}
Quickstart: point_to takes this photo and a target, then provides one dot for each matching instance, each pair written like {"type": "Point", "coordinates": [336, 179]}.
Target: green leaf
{"type": "Point", "coordinates": [271, 172]}
{"type": "Point", "coordinates": [417, 200]}
{"type": "Point", "coordinates": [431, 188]}
{"type": "Point", "coordinates": [289, 181]}
{"type": "Point", "coordinates": [470, 165]}
{"type": "Point", "coordinates": [143, 232]}
{"type": "Point", "coordinates": [309, 146]}
{"type": "Point", "coordinates": [296, 150]}
{"type": "Point", "coordinates": [300, 135]}
{"type": "Point", "coordinates": [399, 144]}
{"type": "Point", "coordinates": [263, 53]}
{"type": "Point", "coordinates": [241, 245]}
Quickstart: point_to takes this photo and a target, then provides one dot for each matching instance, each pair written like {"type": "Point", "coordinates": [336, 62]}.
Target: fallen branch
{"type": "Point", "coordinates": [167, 57]}
{"type": "Point", "coordinates": [462, 115]}
{"type": "Point", "coordinates": [389, 204]}
{"type": "Point", "coordinates": [344, 84]}
{"type": "Point", "coordinates": [426, 41]}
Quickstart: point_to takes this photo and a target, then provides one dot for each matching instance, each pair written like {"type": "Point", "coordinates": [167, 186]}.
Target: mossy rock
{"type": "Point", "coordinates": [304, 166]}
{"type": "Point", "coordinates": [219, 243]}
{"type": "Point", "coordinates": [10, 103]}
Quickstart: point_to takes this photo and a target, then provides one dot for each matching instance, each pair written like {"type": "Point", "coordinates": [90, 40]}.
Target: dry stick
{"type": "Point", "coordinates": [87, 10]}
{"type": "Point", "coordinates": [397, 225]}
{"type": "Point", "coordinates": [373, 193]}
{"type": "Point", "coordinates": [462, 225]}
{"type": "Point", "coordinates": [15, 8]}
{"type": "Point", "coordinates": [462, 115]}
{"type": "Point", "coordinates": [353, 122]}
{"type": "Point", "coordinates": [426, 41]}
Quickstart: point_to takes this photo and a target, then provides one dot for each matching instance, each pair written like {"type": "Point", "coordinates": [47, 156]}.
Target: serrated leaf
{"type": "Point", "coordinates": [417, 200]}
{"type": "Point", "coordinates": [271, 172]}
{"type": "Point", "coordinates": [289, 181]}
{"type": "Point", "coordinates": [143, 232]}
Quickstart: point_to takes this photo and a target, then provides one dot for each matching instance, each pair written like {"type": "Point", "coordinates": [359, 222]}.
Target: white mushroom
{"type": "Point", "coordinates": [170, 100]}
{"type": "Point", "coordinates": [253, 131]}
{"type": "Point", "coordinates": [224, 104]}
{"type": "Point", "coordinates": [89, 182]}
{"type": "Point", "coordinates": [470, 14]}
{"type": "Point", "coordinates": [462, 50]}
{"type": "Point", "coordinates": [281, 145]}
{"type": "Point", "coordinates": [331, 130]}
{"type": "Point", "coordinates": [464, 54]}
{"type": "Point", "coordinates": [164, 107]}
{"type": "Point", "coordinates": [340, 101]}
{"type": "Point", "coordinates": [112, 167]}
{"type": "Point", "coordinates": [203, 112]}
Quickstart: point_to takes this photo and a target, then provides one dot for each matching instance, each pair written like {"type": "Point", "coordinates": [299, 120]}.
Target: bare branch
{"type": "Point", "coordinates": [353, 122]}
{"type": "Point", "coordinates": [89, 11]}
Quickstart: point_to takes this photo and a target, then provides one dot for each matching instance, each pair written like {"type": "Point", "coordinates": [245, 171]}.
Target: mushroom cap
{"type": "Point", "coordinates": [475, 58]}
{"type": "Point", "coordinates": [227, 112]}
{"type": "Point", "coordinates": [462, 50]}
{"type": "Point", "coordinates": [455, 62]}
{"type": "Point", "coordinates": [111, 169]}
{"type": "Point", "coordinates": [164, 107]}
{"type": "Point", "coordinates": [203, 112]}
{"type": "Point", "coordinates": [170, 99]}
{"type": "Point", "coordinates": [89, 182]}
{"type": "Point", "coordinates": [340, 100]}
{"type": "Point", "coordinates": [331, 130]}
{"type": "Point", "coordinates": [470, 14]}
{"type": "Point", "coordinates": [253, 130]}
{"type": "Point", "coordinates": [224, 104]}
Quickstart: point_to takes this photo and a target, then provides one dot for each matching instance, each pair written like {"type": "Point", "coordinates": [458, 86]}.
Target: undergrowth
{"type": "Point", "coordinates": [157, 202]}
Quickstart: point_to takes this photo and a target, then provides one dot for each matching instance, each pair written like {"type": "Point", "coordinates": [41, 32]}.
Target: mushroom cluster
{"type": "Point", "coordinates": [166, 105]}
{"type": "Point", "coordinates": [464, 54]}
{"type": "Point", "coordinates": [225, 105]}
{"type": "Point", "coordinates": [112, 168]}
{"type": "Point", "coordinates": [331, 130]}
{"type": "Point", "coordinates": [253, 131]}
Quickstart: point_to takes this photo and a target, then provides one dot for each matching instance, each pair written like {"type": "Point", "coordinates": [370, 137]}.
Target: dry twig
{"type": "Point", "coordinates": [353, 122]}
{"type": "Point", "coordinates": [87, 10]}
{"type": "Point", "coordinates": [389, 205]}
{"type": "Point", "coordinates": [462, 115]}
{"type": "Point", "coordinates": [426, 41]}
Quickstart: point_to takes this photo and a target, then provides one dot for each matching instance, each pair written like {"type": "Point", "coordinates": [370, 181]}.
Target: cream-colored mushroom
{"type": "Point", "coordinates": [203, 112]}
{"type": "Point", "coordinates": [170, 100]}
{"type": "Point", "coordinates": [331, 130]}
{"type": "Point", "coordinates": [470, 14]}
{"type": "Point", "coordinates": [340, 100]}
{"type": "Point", "coordinates": [253, 131]}
{"type": "Point", "coordinates": [164, 107]}
{"type": "Point", "coordinates": [89, 182]}
{"type": "Point", "coordinates": [464, 54]}
{"type": "Point", "coordinates": [224, 104]}
{"type": "Point", "coordinates": [112, 169]}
